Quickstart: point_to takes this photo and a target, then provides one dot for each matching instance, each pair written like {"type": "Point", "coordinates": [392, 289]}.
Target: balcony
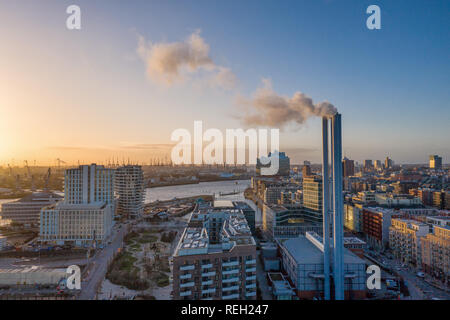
{"type": "Point", "coordinates": [231, 296]}
{"type": "Point", "coordinates": [207, 266]}
{"type": "Point", "coordinates": [250, 278]}
{"type": "Point", "coordinates": [185, 276]}
{"type": "Point", "coordinates": [230, 288]}
{"type": "Point", "coordinates": [187, 284]}
{"type": "Point", "coordinates": [251, 286]}
{"type": "Point", "coordinates": [250, 269]}
{"type": "Point", "coordinates": [209, 274]}
{"type": "Point", "coordinates": [230, 264]}
{"type": "Point", "coordinates": [230, 272]}
{"type": "Point", "coordinates": [253, 261]}
{"type": "Point", "coordinates": [250, 294]}
{"type": "Point", "coordinates": [185, 293]}
{"type": "Point", "coordinates": [210, 290]}
{"type": "Point", "coordinates": [234, 279]}
{"type": "Point", "coordinates": [207, 283]}
{"type": "Point", "coordinates": [187, 267]}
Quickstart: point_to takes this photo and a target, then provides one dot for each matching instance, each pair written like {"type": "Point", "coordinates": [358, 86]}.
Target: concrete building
{"type": "Point", "coordinates": [27, 210]}
{"type": "Point", "coordinates": [302, 259]}
{"type": "Point", "coordinates": [129, 187]}
{"type": "Point", "coordinates": [436, 253]}
{"type": "Point", "coordinates": [215, 258]}
{"type": "Point", "coordinates": [281, 288]}
{"type": "Point", "coordinates": [404, 240]}
{"type": "Point", "coordinates": [85, 217]}
{"type": "Point", "coordinates": [442, 221]}
{"type": "Point", "coordinates": [435, 162]}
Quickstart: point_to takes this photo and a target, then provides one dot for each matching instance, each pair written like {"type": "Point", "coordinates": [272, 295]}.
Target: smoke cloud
{"type": "Point", "coordinates": [267, 108]}
{"type": "Point", "coordinates": [171, 62]}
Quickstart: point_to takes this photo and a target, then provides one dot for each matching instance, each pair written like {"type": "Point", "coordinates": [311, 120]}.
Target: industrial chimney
{"type": "Point", "coordinates": [333, 203]}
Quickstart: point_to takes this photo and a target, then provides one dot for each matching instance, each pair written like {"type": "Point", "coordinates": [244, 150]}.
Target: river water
{"type": "Point", "coordinates": [203, 188]}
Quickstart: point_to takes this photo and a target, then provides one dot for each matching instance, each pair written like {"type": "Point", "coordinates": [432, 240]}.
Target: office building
{"type": "Point", "coordinates": [282, 221]}
{"type": "Point", "coordinates": [348, 167]}
{"type": "Point", "coordinates": [388, 163]}
{"type": "Point", "coordinates": [376, 223]}
{"type": "Point", "coordinates": [368, 166]}
{"type": "Point", "coordinates": [312, 193]}
{"type": "Point", "coordinates": [435, 162]}
{"type": "Point", "coordinates": [129, 187]}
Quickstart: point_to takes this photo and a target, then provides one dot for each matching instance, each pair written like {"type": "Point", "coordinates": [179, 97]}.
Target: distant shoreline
{"type": "Point", "coordinates": [170, 184]}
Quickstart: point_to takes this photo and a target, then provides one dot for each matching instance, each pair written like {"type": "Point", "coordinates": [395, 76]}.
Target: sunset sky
{"type": "Point", "coordinates": [111, 89]}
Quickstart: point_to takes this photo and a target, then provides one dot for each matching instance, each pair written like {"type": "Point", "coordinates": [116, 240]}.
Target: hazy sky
{"type": "Point", "coordinates": [94, 93]}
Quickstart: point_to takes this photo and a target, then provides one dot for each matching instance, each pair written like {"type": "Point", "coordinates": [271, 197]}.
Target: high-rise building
{"type": "Point", "coordinates": [388, 163]}
{"type": "Point", "coordinates": [377, 165]}
{"type": "Point", "coordinates": [368, 166]}
{"type": "Point", "coordinates": [88, 184]}
{"type": "Point", "coordinates": [306, 170]}
{"type": "Point", "coordinates": [129, 186]}
{"type": "Point", "coordinates": [85, 217]}
{"type": "Point", "coordinates": [349, 167]}
{"type": "Point", "coordinates": [312, 193]}
{"type": "Point", "coordinates": [435, 162]}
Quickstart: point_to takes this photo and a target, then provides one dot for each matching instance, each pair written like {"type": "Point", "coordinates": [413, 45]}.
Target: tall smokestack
{"type": "Point", "coordinates": [338, 222]}
{"type": "Point", "coordinates": [326, 209]}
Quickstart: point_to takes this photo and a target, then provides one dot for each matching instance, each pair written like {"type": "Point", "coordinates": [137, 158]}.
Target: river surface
{"type": "Point", "coordinates": [203, 188]}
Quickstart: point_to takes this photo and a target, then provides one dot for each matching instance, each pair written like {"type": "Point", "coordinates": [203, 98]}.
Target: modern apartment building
{"type": "Point", "coordinates": [436, 253]}
{"type": "Point", "coordinates": [129, 187]}
{"type": "Point", "coordinates": [376, 223]}
{"type": "Point", "coordinates": [85, 217]}
{"type": "Point", "coordinates": [404, 240]}
{"type": "Point", "coordinates": [27, 210]}
{"type": "Point", "coordinates": [215, 258]}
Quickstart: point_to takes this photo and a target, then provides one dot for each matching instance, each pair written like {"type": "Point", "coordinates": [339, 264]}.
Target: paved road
{"type": "Point", "coordinates": [99, 264]}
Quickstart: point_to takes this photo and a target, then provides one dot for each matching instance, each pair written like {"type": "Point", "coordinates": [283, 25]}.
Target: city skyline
{"type": "Point", "coordinates": [91, 94]}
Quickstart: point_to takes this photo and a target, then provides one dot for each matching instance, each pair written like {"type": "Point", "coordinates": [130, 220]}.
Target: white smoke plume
{"type": "Point", "coordinates": [267, 108]}
{"type": "Point", "coordinates": [171, 62]}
